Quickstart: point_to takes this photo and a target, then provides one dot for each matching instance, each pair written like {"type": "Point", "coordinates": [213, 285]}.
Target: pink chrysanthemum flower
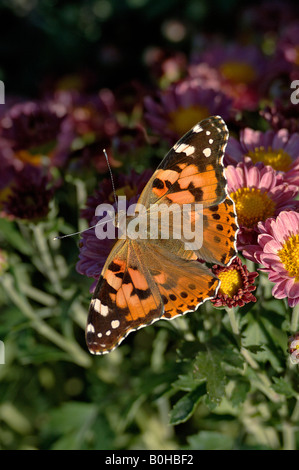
{"type": "Point", "coordinates": [181, 106]}
{"type": "Point", "coordinates": [280, 150]}
{"type": "Point", "coordinates": [259, 193]}
{"type": "Point", "coordinates": [236, 285]}
{"type": "Point", "coordinates": [278, 253]}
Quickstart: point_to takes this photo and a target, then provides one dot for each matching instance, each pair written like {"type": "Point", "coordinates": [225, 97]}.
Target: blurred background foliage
{"type": "Point", "coordinates": [149, 393]}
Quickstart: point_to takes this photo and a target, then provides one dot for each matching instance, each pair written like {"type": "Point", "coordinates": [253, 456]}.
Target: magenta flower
{"type": "Point", "coordinates": [236, 285]}
{"type": "Point", "coordinates": [181, 106]}
{"type": "Point", "coordinates": [278, 253]}
{"type": "Point", "coordinates": [259, 193]}
{"type": "Point", "coordinates": [280, 150]}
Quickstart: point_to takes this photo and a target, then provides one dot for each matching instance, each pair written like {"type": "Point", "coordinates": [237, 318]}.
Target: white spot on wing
{"type": "Point", "coordinates": [99, 307]}
{"type": "Point", "coordinates": [207, 152]}
{"type": "Point", "coordinates": [187, 149]}
{"type": "Point", "coordinates": [115, 324]}
{"type": "Point", "coordinates": [197, 128]}
{"type": "Point", "coordinates": [90, 328]}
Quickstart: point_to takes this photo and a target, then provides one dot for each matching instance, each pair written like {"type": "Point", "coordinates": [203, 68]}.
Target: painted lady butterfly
{"type": "Point", "coordinates": [145, 280]}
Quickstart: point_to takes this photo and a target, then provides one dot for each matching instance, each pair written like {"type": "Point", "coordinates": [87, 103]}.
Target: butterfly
{"type": "Point", "coordinates": [144, 280]}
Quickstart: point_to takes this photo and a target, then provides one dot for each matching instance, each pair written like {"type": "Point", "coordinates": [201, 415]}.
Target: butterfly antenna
{"type": "Point", "coordinates": [80, 231]}
{"type": "Point", "coordinates": [111, 176]}
{"type": "Point", "coordinates": [99, 223]}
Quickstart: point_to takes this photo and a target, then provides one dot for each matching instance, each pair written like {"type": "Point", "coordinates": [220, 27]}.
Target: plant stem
{"type": "Point", "coordinates": [77, 354]}
{"type": "Point", "coordinates": [288, 436]}
{"type": "Point", "coordinates": [46, 259]}
{"type": "Point", "coordinates": [233, 320]}
{"type": "Point", "coordinates": [295, 319]}
{"type": "Point", "coordinates": [234, 325]}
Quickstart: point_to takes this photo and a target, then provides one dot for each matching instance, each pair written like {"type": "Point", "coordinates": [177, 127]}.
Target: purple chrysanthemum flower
{"type": "Point", "coordinates": [282, 115]}
{"type": "Point", "coordinates": [90, 121]}
{"type": "Point", "coordinates": [288, 45]}
{"type": "Point", "coordinates": [179, 107]}
{"type": "Point", "coordinates": [30, 129]}
{"type": "Point", "coordinates": [29, 195]}
{"type": "Point", "coordinates": [241, 70]}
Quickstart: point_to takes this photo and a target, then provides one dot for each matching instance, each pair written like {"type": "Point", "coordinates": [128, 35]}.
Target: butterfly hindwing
{"type": "Point", "coordinates": [125, 299]}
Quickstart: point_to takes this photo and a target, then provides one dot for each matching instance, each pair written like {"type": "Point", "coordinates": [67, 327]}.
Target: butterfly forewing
{"type": "Point", "coordinates": [192, 171]}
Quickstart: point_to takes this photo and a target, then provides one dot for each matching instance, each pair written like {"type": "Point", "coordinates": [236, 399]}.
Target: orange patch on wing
{"type": "Point", "coordinates": [113, 280]}
{"type": "Point", "coordinates": [160, 278]}
{"type": "Point", "coordinates": [138, 279]}
{"type": "Point", "coordinates": [120, 299]}
{"type": "Point", "coordinates": [181, 197]}
{"type": "Point", "coordinates": [189, 170]}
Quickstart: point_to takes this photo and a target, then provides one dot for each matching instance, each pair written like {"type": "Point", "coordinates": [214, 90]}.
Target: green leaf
{"type": "Point", "coordinates": [185, 382]}
{"type": "Point", "coordinates": [13, 237]}
{"type": "Point", "coordinates": [210, 440]}
{"type": "Point", "coordinates": [240, 391]}
{"type": "Point", "coordinates": [208, 367]}
{"type": "Point", "coordinates": [185, 407]}
{"type": "Point", "coordinates": [282, 387]}
{"type": "Point", "coordinates": [255, 348]}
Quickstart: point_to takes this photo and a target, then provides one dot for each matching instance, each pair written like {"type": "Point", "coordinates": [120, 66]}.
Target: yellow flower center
{"type": "Point", "coordinates": [182, 119]}
{"type": "Point", "coordinates": [289, 256]}
{"type": "Point", "coordinates": [238, 72]}
{"type": "Point", "coordinates": [28, 157]}
{"type": "Point", "coordinates": [127, 191]}
{"type": "Point", "coordinates": [231, 282]}
{"type": "Point", "coordinates": [278, 158]}
{"type": "Point", "coordinates": [252, 206]}
{"type": "Point", "coordinates": [4, 194]}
